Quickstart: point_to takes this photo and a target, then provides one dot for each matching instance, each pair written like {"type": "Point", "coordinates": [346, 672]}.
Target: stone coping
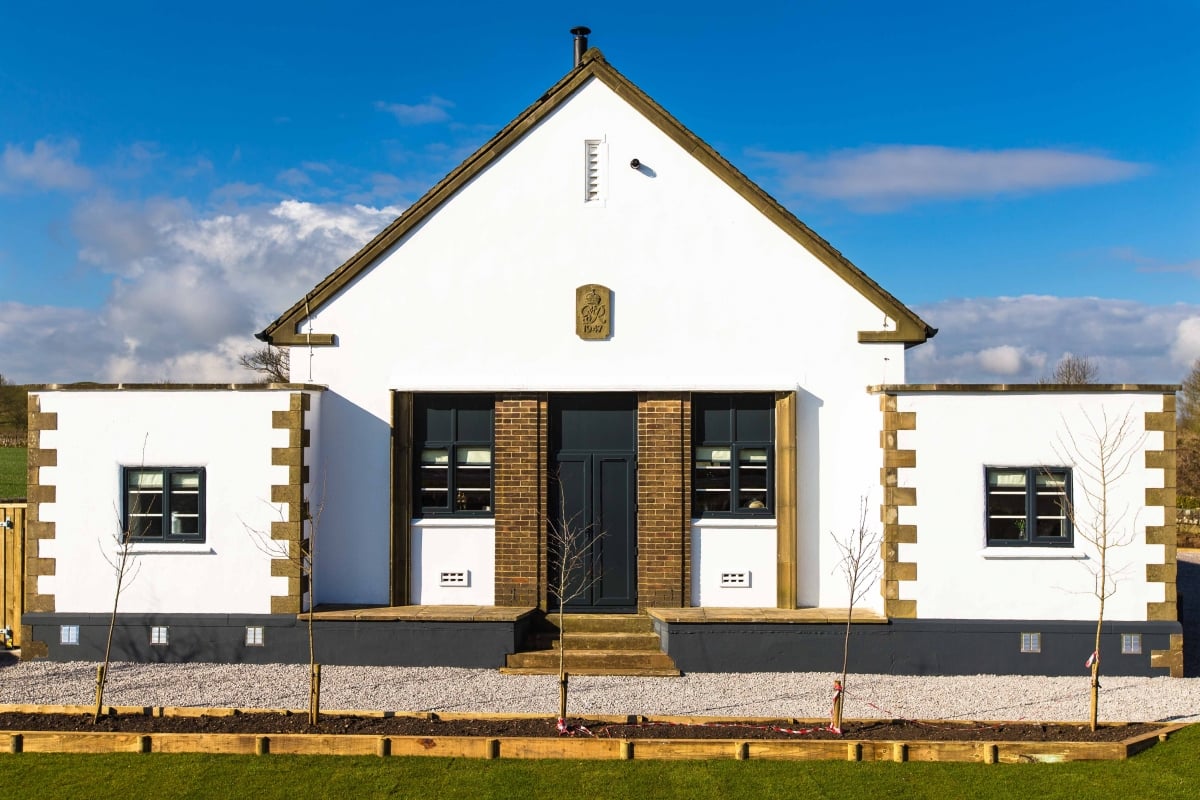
{"type": "Point", "coordinates": [424, 613]}
{"type": "Point", "coordinates": [1022, 388]}
{"type": "Point", "coordinates": [176, 387]}
{"type": "Point", "coordinates": [670, 615]}
{"type": "Point", "coordinates": [798, 749]}
{"type": "Point", "coordinates": [811, 616]}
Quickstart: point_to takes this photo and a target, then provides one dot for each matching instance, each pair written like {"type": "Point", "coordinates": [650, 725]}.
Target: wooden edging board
{"type": "Point", "coordinates": [798, 749]}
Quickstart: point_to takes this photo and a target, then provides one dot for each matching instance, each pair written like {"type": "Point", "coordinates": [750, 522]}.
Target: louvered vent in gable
{"type": "Point", "coordinates": [593, 166]}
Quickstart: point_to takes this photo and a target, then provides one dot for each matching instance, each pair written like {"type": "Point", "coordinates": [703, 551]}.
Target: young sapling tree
{"type": "Point", "coordinates": [124, 575]}
{"type": "Point", "coordinates": [858, 562]}
{"type": "Point", "coordinates": [573, 573]}
{"type": "Point", "coordinates": [300, 557]}
{"type": "Point", "coordinates": [1102, 455]}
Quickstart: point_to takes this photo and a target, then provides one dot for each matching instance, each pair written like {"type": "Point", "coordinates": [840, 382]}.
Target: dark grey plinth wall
{"type": "Point", "coordinates": [221, 638]}
{"type": "Point", "coordinates": [912, 647]}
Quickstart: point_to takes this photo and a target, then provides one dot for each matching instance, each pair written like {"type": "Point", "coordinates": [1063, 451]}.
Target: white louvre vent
{"type": "Point", "coordinates": [593, 158]}
{"type": "Point", "coordinates": [456, 578]}
{"type": "Point", "coordinates": [735, 580]}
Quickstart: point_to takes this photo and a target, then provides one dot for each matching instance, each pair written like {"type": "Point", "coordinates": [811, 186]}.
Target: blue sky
{"type": "Point", "coordinates": [1024, 175]}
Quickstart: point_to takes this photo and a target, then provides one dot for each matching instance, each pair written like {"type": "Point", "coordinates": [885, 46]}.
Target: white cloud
{"type": "Point", "coordinates": [1186, 348]}
{"type": "Point", "coordinates": [50, 164]}
{"type": "Point", "coordinates": [895, 175]}
{"type": "Point", "coordinates": [1019, 339]}
{"type": "Point", "coordinates": [433, 110]}
{"type": "Point", "coordinates": [1003, 360]}
{"type": "Point", "coordinates": [189, 290]}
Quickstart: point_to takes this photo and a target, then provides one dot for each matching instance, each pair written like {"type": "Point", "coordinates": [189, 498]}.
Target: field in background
{"type": "Point", "coordinates": [12, 473]}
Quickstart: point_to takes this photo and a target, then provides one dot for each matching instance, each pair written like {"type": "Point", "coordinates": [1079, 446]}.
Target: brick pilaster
{"type": "Point", "coordinates": [520, 502]}
{"type": "Point", "coordinates": [664, 499]}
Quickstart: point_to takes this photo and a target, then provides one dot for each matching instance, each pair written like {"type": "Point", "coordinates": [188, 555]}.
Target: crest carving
{"type": "Point", "coordinates": [593, 311]}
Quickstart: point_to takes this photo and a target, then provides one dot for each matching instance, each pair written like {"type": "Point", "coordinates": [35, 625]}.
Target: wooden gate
{"type": "Point", "coordinates": [12, 566]}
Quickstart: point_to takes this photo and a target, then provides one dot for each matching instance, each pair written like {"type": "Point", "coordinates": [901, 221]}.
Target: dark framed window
{"type": "Point", "coordinates": [1028, 506]}
{"type": "Point", "coordinates": [164, 504]}
{"type": "Point", "coordinates": [733, 438]}
{"type": "Point", "coordinates": [453, 441]}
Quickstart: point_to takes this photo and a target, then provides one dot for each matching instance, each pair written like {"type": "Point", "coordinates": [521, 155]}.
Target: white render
{"type": "Point", "coordinates": [457, 546]}
{"type": "Point", "coordinates": [229, 433]}
{"type": "Point", "coordinates": [708, 294]}
{"type": "Point", "coordinates": [738, 546]}
{"type": "Point", "coordinates": [957, 435]}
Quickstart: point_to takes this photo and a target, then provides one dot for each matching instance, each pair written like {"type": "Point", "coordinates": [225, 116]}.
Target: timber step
{"type": "Point", "coordinates": [595, 644]}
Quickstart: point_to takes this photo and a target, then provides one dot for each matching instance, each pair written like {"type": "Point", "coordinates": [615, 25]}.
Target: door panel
{"type": "Point", "coordinates": [593, 492]}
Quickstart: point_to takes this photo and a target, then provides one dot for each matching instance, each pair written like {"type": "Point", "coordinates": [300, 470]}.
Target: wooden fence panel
{"type": "Point", "coordinates": [12, 567]}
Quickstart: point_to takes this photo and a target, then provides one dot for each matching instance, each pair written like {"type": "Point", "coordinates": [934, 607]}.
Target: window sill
{"type": "Point", "coordinates": [1032, 554]}
{"type": "Point", "coordinates": [454, 522]}
{"type": "Point", "coordinates": [155, 549]}
{"type": "Point", "coordinates": [734, 522]}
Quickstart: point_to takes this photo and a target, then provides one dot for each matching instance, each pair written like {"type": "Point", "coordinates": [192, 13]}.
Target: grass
{"type": "Point", "coordinates": [1165, 771]}
{"type": "Point", "coordinates": [12, 472]}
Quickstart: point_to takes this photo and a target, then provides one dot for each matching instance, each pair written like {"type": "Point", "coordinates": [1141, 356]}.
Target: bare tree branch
{"type": "Point", "coordinates": [301, 559]}
{"type": "Point", "coordinates": [1102, 455]}
{"type": "Point", "coordinates": [574, 570]}
{"type": "Point", "coordinates": [272, 363]}
{"type": "Point", "coordinates": [859, 564]}
{"type": "Point", "coordinates": [120, 564]}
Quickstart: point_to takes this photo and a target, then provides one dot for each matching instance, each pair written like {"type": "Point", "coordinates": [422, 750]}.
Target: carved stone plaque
{"type": "Point", "coordinates": [593, 311]}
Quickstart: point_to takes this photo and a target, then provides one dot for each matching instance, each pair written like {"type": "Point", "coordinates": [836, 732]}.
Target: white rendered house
{"type": "Point", "coordinates": [597, 319]}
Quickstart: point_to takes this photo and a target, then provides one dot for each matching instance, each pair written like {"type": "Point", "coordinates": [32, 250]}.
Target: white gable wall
{"type": "Point", "coordinates": [228, 433]}
{"type": "Point", "coordinates": [708, 294]}
{"type": "Point", "coordinates": [958, 577]}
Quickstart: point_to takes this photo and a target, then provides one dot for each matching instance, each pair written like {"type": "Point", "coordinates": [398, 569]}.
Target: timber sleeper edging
{"type": "Point", "coordinates": [524, 747]}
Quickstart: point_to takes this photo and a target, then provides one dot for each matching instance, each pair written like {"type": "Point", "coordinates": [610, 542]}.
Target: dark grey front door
{"type": "Point", "coordinates": [593, 500]}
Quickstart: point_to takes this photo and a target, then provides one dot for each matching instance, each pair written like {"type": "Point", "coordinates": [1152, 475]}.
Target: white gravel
{"type": "Point", "coordinates": [711, 694]}
{"type": "Point", "coordinates": [774, 694]}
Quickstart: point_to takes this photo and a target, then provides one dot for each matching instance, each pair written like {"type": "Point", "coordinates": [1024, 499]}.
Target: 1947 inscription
{"type": "Point", "coordinates": [593, 311]}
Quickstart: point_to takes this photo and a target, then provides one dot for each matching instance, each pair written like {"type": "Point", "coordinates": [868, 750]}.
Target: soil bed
{"type": "Point", "coordinates": [279, 723]}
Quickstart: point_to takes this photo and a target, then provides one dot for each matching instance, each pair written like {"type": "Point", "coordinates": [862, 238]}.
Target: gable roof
{"type": "Point", "coordinates": [910, 329]}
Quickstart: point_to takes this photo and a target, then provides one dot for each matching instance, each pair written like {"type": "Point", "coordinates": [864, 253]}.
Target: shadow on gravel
{"type": "Point", "coordinates": [8, 658]}
{"type": "Point", "coordinates": [1188, 586]}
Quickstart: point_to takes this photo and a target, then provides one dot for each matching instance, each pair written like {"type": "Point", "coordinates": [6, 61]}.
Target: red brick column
{"type": "Point", "coordinates": [520, 502]}
{"type": "Point", "coordinates": [664, 499]}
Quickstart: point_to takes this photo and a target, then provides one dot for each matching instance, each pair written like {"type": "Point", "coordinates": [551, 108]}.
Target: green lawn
{"type": "Point", "coordinates": [12, 472]}
{"type": "Point", "coordinates": [1166, 771]}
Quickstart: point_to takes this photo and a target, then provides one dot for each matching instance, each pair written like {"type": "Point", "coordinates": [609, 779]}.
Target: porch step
{"type": "Point", "coordinates": [600, 623]}
{"type": "Point", "coordinates": [594, 662]}
{"type": "Point", "coordinates": [595, 644]}
{"type": "Point", "coordinates": [631, 673]}
{"type": "Point", "coordinates": [605, 641]}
